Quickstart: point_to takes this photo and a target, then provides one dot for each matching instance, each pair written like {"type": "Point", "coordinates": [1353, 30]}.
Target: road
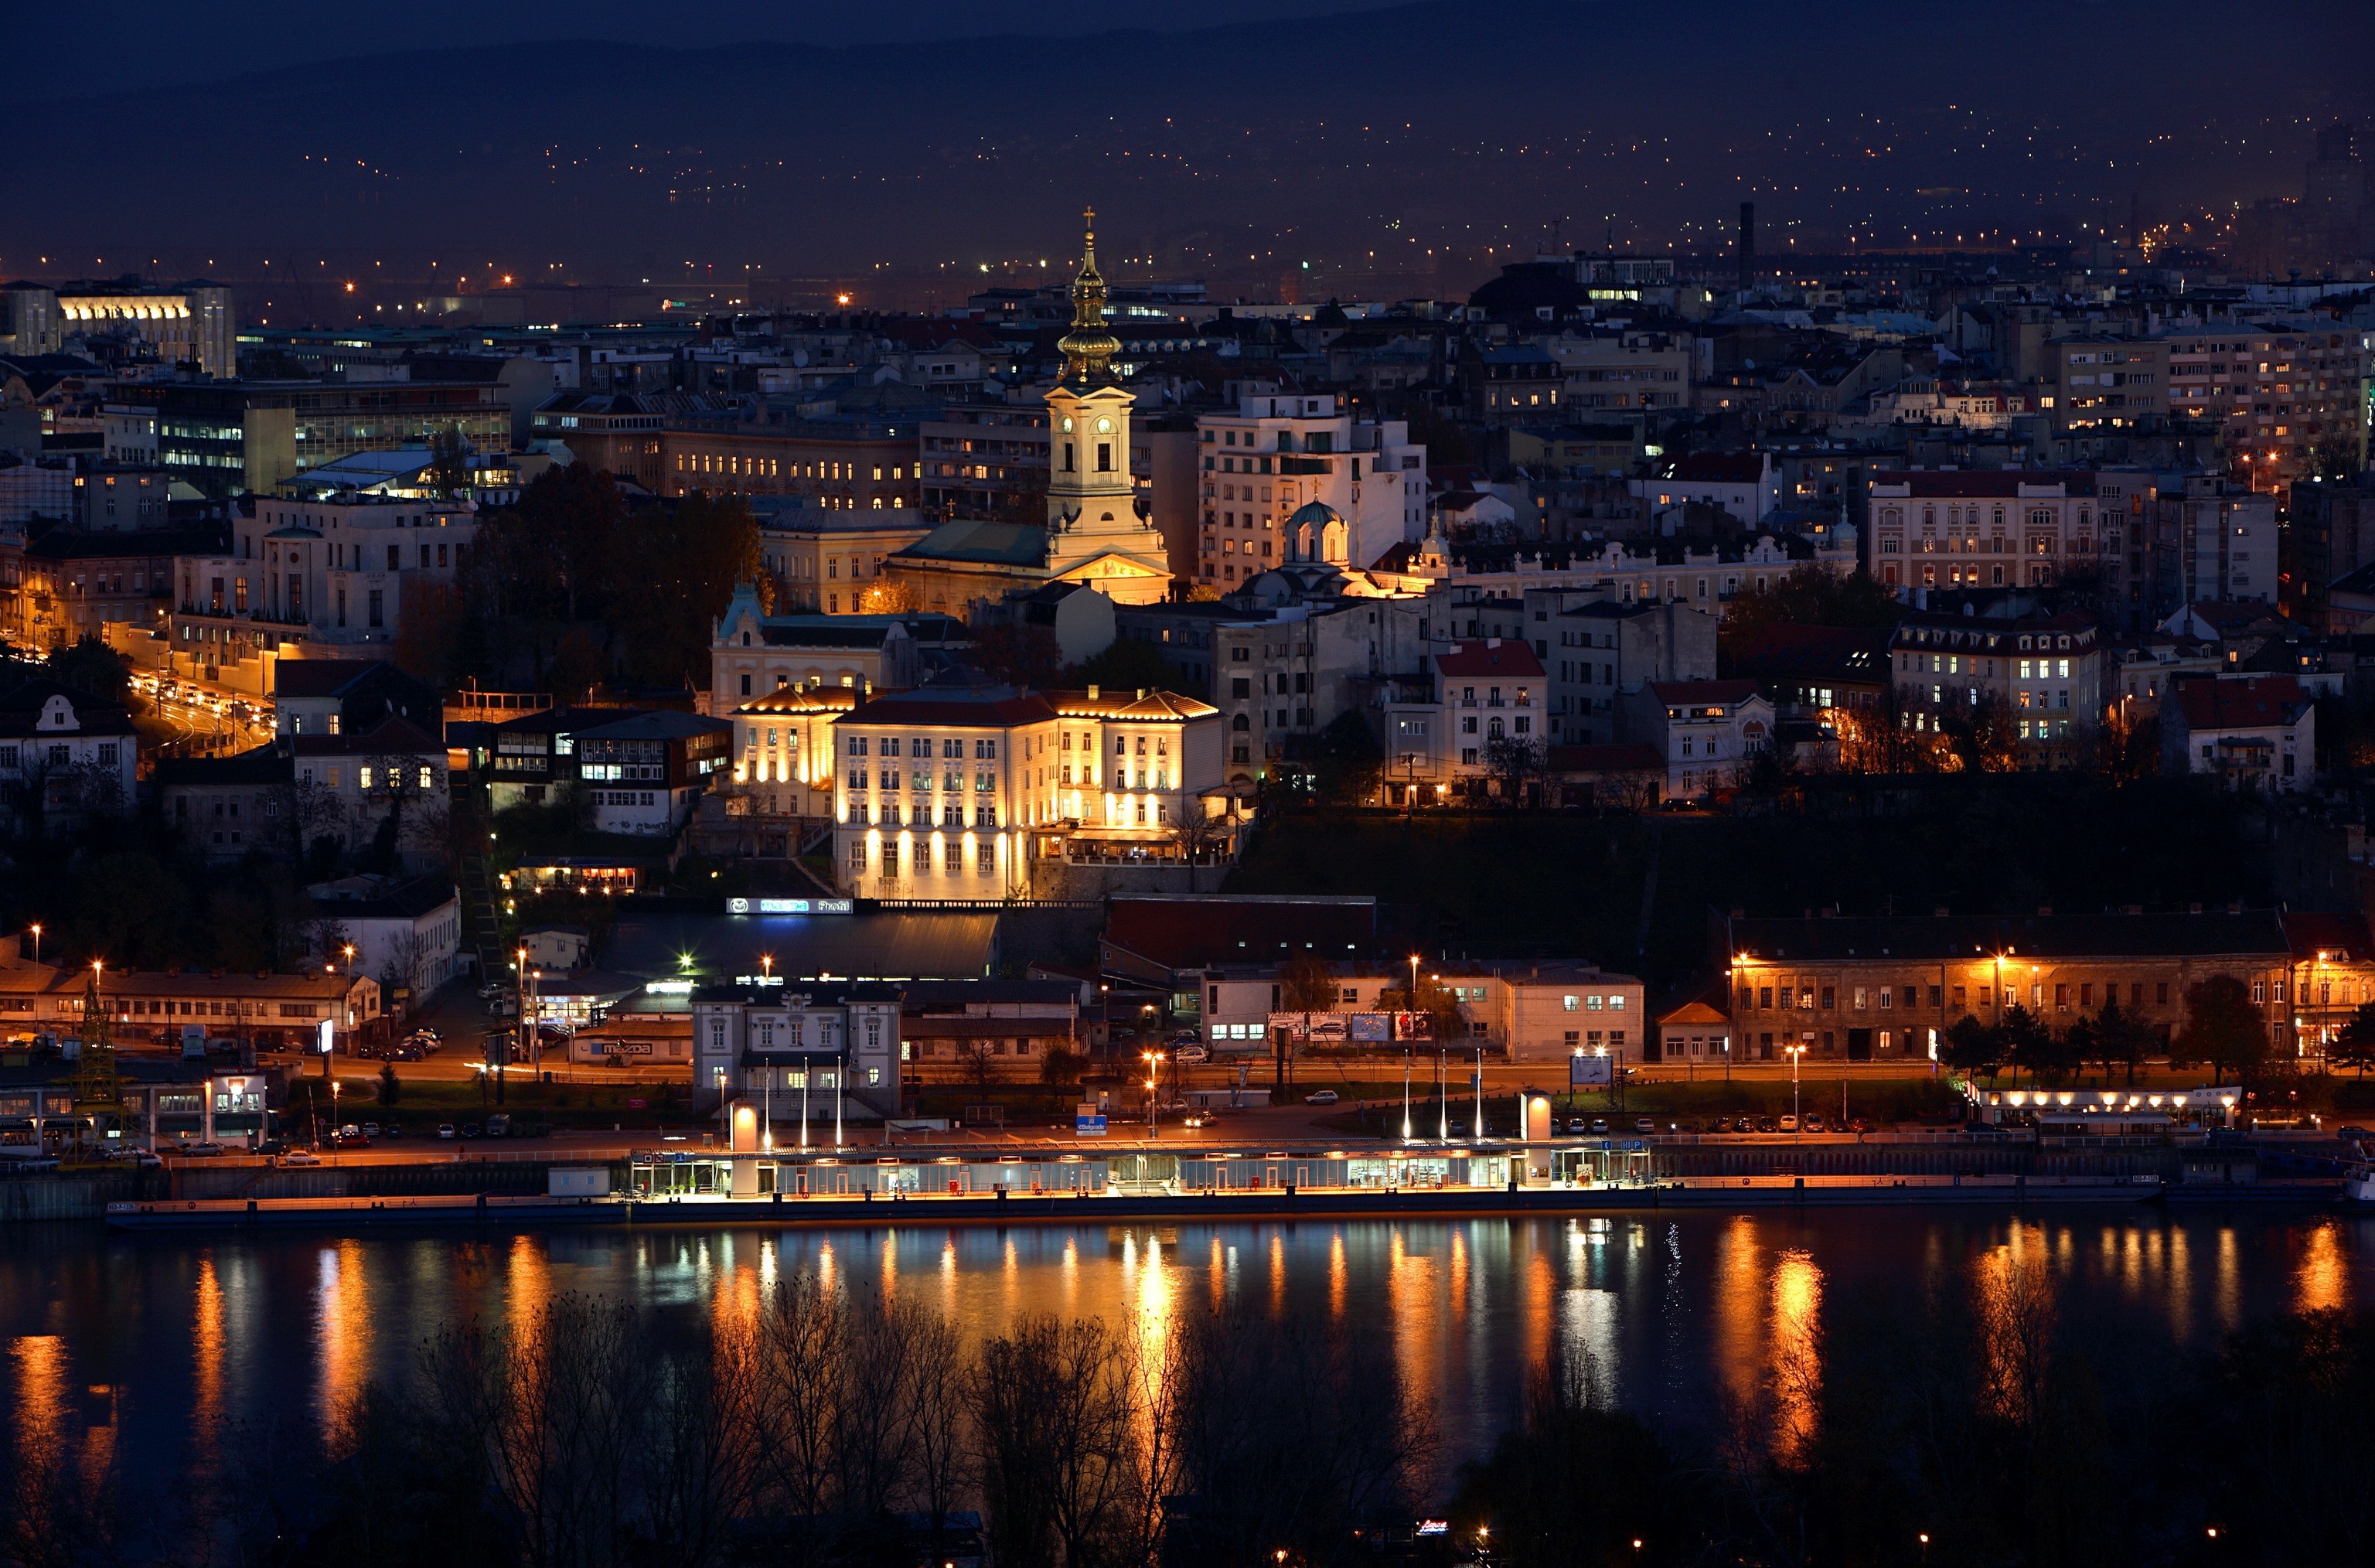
{"type": "Point", "coordinates": [202, 718]}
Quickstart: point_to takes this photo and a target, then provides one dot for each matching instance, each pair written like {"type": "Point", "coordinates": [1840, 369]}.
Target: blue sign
{"type": "Point", "coordinates": [1089, 1124]}
{"type": "Point", "coordinates": [790, 906]}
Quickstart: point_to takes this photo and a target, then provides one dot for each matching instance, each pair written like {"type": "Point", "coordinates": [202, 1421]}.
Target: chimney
{"type": "Point", "coordinates": [1747, 244]}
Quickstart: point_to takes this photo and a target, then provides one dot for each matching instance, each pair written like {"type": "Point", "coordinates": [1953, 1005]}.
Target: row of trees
{"type": "Point", "coordinates": [799, 1426]}
{"type": "Point", "coordinates": [587, 586]}
{"type": "Point", "coordinates": [2224, 1029]}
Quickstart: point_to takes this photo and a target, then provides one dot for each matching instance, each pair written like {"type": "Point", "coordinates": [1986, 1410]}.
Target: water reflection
{"type": "Point", "coordinates": [1680, 1316]}
{"type": "Point", "coordinates": [207, 1334]}
{"type": "Point", "coordinates": [41, 1368]}
{"type": "Point", "coordinates": [2321, 1282]}
{"type": "Point", "coordinates": [1797, 1351]}
{"type": "Point", "coordinates": [342, 1327]}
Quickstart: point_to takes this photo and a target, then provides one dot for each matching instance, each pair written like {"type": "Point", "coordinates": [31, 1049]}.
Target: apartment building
{"type": "Point", "coordinates": [1957, 528]}
{"type": "Point", "coordinates": [1599, 650]}
{"type": "Point", "coordinates": [643, 772]}
{"type": "Point", "coordinates": [1298, 477]}
{"type": "Point", "coordinates": [2218, 540]}
{"type": "Point", "coordinates": [946, 792]}
{"type": "Point", "coordinates": [1481, 711]}
{"type": "Point", "coordinates": [1706, 732]}
{"type": "Point", "coordinates": [1744, 484]}
{"type": "Point", "coordinates": [1603, 372]}
{"type": "Point", "coordinates": [1868, 988]}
{"type": "Point", "coordinates": [1279, 677]}
{"type": "Point", "coordinates": [2256, 732]}
{"type": "Point", "coordinates": [64, 757]}
{"type": "Point", "coordinates": [332, 571]}
{"type": "Point", "coordinates": [2107, 384]}
{"type": "Point", "coordinates": [2289, 400]}
{"type": "Point", "coordinates": [2045, 671]}
{"type": "Point", "coordinates": [69, 584]}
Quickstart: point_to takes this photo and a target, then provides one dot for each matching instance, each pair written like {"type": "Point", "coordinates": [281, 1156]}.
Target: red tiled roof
{"type": "Point", "coordinates": [1505, 657]}
{"type": "Point", "coordinates": [2266, 702]}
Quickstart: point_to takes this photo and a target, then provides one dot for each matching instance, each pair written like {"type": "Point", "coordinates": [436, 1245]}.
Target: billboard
{"type": "Point", "coordinates": [1414, 1026]}
{"type": "Point", "coordinates": [1590, 1071]}
{"type": "Point", "coordinates": [1376, 1026]}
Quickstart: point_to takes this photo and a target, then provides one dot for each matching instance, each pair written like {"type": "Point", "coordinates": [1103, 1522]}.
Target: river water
{"type": "Point", "coordinates": [152, 1350]}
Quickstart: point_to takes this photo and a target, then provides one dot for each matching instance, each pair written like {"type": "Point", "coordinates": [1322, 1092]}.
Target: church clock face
{"type": "Point", "coordinates": [1105, 427]}
{"type": "Point", "coordinates": [1067, 424]}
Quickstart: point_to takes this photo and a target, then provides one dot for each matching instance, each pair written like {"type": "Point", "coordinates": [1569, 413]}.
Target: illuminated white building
{"type": "Point", "coordinates": [948, 792]}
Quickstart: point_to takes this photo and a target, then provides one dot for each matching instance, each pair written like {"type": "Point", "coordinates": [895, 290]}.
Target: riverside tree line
{"type": "Point", "coordinates": [1968, 1418]}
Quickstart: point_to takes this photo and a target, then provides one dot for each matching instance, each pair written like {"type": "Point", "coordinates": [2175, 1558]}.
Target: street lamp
{"type": "Point", "coordinates": [36, 942]}
{"type": "Point", "coordinates": [1153, 1060]}
{"type": "Point", "coordinates": [1797, 1123]}
{"type": "Point", "coordinates": [350, 951]}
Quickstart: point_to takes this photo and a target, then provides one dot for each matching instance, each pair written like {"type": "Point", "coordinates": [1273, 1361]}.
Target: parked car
{"type": "Point", "coordinates": [134, 1155]}
{"type": "Point", "coordinates": [395, 1129]}
{"type": "Point", "coordinates": [300, 1156]}
{"type": "Point", "coordinates": [1644, 1125]}
{"type": "Point", "coordinates": [1789, 1123]}
{"type": "Point", "coordinates": [207, 1151]}
{"type": "Point", "coordinates": [444, 1129]}
{"type": "Point", "coordinates": [1190, 1054]}
{"type": "Point", "coordinates": [1320, 1097]}
{"type": "Point", "coordinates": [371, 1129]}
{"type": "Point", "coordinates": [350, 1131]}
{"type": "Point", "coordinates": [469, 1129]}
{"type": "Point", "coordinates": [499, 1125]}
{"type": "Point", "coordinates": [1814, 1124]}
{"type": "Point", "coordinates": [1575, 1126]}
{"type": "Point", "coordinates": [350, 1137]}
{"type": "Point", "coordinates": [1600, 1125]}
{"type": "Point", "coordinates": [1767, 1124]}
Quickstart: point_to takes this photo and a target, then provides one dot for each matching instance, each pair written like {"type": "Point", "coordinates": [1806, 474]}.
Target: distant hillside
{"type": "Point", "coordinates": [1440, 125]}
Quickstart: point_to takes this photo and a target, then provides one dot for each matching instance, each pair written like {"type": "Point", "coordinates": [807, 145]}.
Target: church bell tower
{"type": "Point", "coordinates": [1089, 487]}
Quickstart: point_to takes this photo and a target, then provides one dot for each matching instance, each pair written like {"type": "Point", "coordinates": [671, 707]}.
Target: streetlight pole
{"type": "Point", "coordinates": [36, 942]}
{"type": "Point", "coordinates": [1796, 1121]}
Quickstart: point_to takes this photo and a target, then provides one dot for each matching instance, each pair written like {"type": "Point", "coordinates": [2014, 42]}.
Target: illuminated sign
{"type": "Point", "coordinates": [790, 906]}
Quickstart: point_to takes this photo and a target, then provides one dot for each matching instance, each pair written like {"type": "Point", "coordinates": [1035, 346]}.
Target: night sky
{"type": "Point", "coordinates": [1388, 149]}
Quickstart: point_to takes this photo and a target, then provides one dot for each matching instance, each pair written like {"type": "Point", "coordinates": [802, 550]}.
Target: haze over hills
{"type": "Point", "coordinates": [1393, 142]}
